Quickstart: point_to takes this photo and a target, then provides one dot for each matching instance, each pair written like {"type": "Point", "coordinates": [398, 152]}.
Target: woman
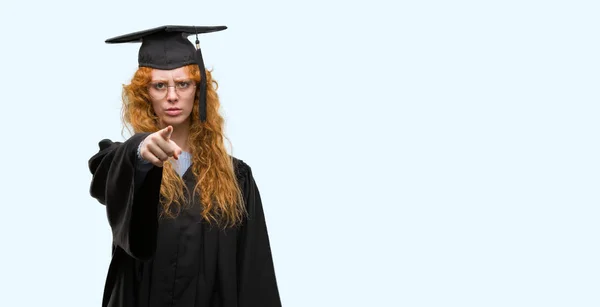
{"type": "Point", "coordinates": [187, 220]}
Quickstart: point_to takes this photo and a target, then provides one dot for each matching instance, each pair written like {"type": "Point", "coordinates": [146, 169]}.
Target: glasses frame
{"type": "Point", "coordinates": [151, 84]}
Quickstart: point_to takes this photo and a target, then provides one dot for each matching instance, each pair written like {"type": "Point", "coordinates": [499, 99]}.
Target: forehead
{"type": "Point", "coordinates": [176, 73]}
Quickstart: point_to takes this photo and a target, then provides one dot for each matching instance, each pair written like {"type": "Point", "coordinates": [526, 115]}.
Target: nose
{"type": "Point", "coordinates": [172, 94]}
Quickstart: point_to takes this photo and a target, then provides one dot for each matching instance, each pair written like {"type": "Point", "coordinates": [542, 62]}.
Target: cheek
{"type": "Point", "coordinates": [155, 106]}
{"type": "Point", "coordinates": [189, 103]}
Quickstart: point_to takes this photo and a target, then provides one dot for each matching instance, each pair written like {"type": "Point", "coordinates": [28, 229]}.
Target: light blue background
{"type": "Point", "coordinates": [408, 153]}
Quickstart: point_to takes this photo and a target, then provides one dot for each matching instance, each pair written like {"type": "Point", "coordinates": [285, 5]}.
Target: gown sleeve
{"type": "Point", "coordinates": [131, 206]}
{"type": "Point", "coordinates": [257, 284]}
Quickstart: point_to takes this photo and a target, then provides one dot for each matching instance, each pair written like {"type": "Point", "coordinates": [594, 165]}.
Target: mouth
{"type": "Point", "coordinates": [173, 111]}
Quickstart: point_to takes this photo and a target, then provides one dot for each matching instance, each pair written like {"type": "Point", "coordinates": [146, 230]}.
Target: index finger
{"type": "Point", "coordinates": [166, 132]}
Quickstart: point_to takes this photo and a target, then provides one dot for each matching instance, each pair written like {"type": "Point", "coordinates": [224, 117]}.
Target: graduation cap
{"type": "Point", "coordinates": [168, 47]}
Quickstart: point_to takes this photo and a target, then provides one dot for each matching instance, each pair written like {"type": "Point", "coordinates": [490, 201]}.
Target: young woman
{"type": "Point", "coordinates": [187, 220]}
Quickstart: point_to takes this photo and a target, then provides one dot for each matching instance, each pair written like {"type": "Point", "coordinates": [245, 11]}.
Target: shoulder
{"type": "Point", "coordinates": [241, 168]}
{"type": "Point", "coordinates": [133, 141]}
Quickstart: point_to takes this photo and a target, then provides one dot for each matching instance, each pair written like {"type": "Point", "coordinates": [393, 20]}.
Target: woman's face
{"type": "Point", "coordinates": [172, 94]}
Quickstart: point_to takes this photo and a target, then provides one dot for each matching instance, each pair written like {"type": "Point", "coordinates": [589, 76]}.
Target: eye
{"type": "Point", "coordinates": [184, 84]}
{"type": "Point", "coordinates": [159, 85]}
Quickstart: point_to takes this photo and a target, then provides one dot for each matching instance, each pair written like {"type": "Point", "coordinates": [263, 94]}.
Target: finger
{"type": "Point", "coordinates": [156, 151]}
{"type": "Point", "coordinates": [169, 148]}
{"type": "Point", "coordinates": [148, 156]}
{"type": "Point", "coordinates": [166, 132]}
{"type": "Point", "coordinates": [176, 151]}
{"type": "Point", "coordinates": [154, 160]}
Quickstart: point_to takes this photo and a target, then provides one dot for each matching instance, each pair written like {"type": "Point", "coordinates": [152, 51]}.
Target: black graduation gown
{"type": "Point", "coordinates": [183, 261]}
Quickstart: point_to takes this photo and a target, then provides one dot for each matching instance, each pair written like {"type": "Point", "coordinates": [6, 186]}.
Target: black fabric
{"type": "Point", "coordinates": [166, 51]}
{"type": "Point", "coordinates": [165, 47]}
{"type": "Point", "coordinates": [185, 30]}
{"type": "Point", "coordinates": [132, 220]}
{"type": "Point", "coordinates": [180, 262]}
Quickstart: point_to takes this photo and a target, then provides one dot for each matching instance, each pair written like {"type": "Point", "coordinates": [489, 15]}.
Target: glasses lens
{"type": "Point", "coordinates": [184, 88]}
{"type": "Point", "coordinates": [158, 90]}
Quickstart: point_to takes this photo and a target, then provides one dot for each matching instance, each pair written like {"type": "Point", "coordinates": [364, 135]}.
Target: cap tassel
{"type": "Point", "coordinates": [203, 84]}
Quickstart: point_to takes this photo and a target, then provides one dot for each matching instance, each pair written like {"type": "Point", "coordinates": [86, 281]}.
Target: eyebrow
{"type": "Point", "coordinates": [174, 79]}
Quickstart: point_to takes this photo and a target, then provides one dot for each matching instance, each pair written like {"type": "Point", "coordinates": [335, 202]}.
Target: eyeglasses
{"type": "Point", "coordinates": [183, 88]}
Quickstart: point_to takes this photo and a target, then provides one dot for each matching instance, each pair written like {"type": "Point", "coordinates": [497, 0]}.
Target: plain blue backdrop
{"type": "Point", "coordinates": [408, 153]}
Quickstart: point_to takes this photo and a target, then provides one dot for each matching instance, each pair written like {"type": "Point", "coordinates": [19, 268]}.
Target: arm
{"type": "Point", "coordinates": [142, 167]}
{"type": "Point", "coordinates": [131, 211]}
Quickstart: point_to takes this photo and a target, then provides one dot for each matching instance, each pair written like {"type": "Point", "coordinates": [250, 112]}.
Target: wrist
{"type": "Point", "coordinates": [139, 152]}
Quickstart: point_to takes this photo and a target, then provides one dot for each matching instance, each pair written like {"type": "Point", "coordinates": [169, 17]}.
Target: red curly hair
{"type": "Point", "coordinates": [211, 164]}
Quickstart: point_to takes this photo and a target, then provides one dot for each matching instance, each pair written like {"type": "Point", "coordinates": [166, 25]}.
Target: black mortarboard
{"type": "Point", "coordinates": [168, 47]}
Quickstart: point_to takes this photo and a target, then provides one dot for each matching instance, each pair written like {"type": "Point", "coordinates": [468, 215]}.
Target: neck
{"type": "Point", "coordinates": [180, 136]}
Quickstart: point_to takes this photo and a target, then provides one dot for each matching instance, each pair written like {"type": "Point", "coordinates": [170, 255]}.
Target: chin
{"type": "Point", "coordinates": [175, 121]}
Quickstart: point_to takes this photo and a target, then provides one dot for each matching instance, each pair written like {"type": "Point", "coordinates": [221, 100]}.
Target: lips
{"type": "Point", "coordinates": [173, 111]}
